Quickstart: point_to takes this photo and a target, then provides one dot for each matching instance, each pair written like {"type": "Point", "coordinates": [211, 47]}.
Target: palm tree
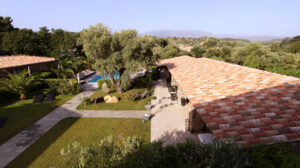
{"type": "Point", "coordinates": [66, 68]}
{"type": "Point", "coordinates": [19, 83]}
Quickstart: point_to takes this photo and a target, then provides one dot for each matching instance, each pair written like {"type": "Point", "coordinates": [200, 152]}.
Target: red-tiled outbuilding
{"type": "Point", "coordinates": [19, 62]}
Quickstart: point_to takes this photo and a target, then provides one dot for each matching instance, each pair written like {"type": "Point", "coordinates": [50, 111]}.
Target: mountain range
{"type": "Point", "coordinates": [198, 34]}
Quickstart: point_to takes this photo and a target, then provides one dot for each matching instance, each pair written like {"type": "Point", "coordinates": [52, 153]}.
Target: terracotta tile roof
{"type": "Point", "coordinates": [252, 105]}
{"type": "Point", "coordinates": [21, 60]}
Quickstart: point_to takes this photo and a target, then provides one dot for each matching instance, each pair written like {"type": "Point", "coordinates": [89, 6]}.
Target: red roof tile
{"type": "Point", "coordinates": [22, 60]}
{"type": "Point", "coordinates": [257, 105]}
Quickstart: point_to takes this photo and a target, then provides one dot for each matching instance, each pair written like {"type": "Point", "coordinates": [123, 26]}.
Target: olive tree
{"type": "Point", "coordinates": [117, 54]}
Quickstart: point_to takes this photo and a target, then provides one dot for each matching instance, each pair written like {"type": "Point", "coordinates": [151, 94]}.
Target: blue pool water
{"type": "Point", "coordinates": [96, 78]}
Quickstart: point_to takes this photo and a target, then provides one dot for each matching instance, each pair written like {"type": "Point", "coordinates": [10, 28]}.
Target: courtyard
{"type": "Point", "coordinates": [38, 142]}
{"type": "Point", "coordinates": [156, 84]}
{"type": "Point", "coordinates": [44, 139]}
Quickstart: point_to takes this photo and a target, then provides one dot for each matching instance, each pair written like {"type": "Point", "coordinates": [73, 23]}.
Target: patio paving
{"type": "Point", "coordinates": [16, 145]}
{"type": "Point", "coordinates": [168, 124]}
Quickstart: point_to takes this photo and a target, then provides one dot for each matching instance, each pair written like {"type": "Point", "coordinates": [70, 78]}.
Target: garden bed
{"type": "Point", "coordinates": [126, 100]}
{"type": "Point", "coordinates": [125, 103]}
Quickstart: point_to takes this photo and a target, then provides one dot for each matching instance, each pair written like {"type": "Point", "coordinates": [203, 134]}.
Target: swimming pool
{"type": "Point", "coordinates": [96, 78]}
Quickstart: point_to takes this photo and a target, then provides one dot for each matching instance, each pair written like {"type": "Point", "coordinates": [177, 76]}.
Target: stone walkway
{"type": "Point", "coordinates": [16, 145]}
{"type": "Point", "coordinates": [168, 123]}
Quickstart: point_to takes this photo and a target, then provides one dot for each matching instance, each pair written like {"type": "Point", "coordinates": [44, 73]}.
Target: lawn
{"type": "Point", "coordinates": [46, 151]}
{"type": "Point", "coordinates": [22, 113]}
{"type": "Point", "coordinates": [124, 104]}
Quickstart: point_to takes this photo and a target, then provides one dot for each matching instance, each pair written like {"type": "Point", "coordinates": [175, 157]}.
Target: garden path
{"type": "Point", "coordinates": [17, 144]}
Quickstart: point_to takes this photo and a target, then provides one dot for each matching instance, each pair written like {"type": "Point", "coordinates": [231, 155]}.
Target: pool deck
{"type": "Point", "coordinates": [87, 79]}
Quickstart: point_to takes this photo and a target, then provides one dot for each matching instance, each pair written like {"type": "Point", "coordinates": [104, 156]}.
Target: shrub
{"type": "Point", "coordinates": [221, 153]}
{"type": "Point", "coordinates": [153, 97]}
{"type": "Point", "coordinates": [133, 152]}
{"type": "Point", "coordinates": [107, 81]}
{"type": "Point", "coordinates": [131, 97]}
{"type": "Point", "coordinates": [278, 155]}
{"type": "Point", "coordinates": [109, 153]}
{"type": "Point", "coordinates": [143, 82]}
{"type": "Point", "coordinates": [86, 101]}
{"type": "Point", "coordinates": [170, 51]}
{"type": "Point", "coordinates": [64, 86]}
{"type": "Point", "coordinates": [198, 51]}
{"type": "Point", "coordinates": [68, 87]}
{"type": "Point", "coordinates": [225, 153]}
{"type": "Point", "coordinates": [52, 83]}
{"type": "Point", "coordinates": [150, 92]}
{"type": "Point", "coordinates": [155, 73]}
{"type": "Point", "coordinates": [45, 75]}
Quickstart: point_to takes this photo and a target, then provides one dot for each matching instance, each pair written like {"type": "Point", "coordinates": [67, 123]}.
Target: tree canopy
{"type": "Point", "coordinates": [118, 53]}
{"type": "Point", "coordinates": [283, 57]}
{"type": "Point", "coordinates": [124, 52]}
{"type": "Point", "coordinates": [55, 43]}
{"type": "Point", "coordinates": [5, 26]}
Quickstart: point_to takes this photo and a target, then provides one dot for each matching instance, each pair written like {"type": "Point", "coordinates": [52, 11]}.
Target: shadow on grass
{"type": "Point", "coordinates": [37, 148]}
{"type": "Point", "coordinates": [87, 131]}
{"type": "Point", "coordinates": [21, 114]}
{"type": "Point", "coordinates": [13, 100]}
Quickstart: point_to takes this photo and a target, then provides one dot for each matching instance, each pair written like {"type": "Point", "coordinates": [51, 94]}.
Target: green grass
{"type": "Point", "coordinates": [22, 113]}
{"type": "Point", "coordinates": [87, 131]}
{"type": "Point", "coordinates": [123, 104]}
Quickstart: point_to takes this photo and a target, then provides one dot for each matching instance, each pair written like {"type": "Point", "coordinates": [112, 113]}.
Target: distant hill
{"type": "Point", "coordinates": [179, 33]}
{"type": "Point", "coordinates": [198, 34]}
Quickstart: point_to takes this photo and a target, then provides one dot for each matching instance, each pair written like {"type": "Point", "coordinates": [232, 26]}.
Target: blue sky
{"type": "Point", "coordinates": [231, 17]}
